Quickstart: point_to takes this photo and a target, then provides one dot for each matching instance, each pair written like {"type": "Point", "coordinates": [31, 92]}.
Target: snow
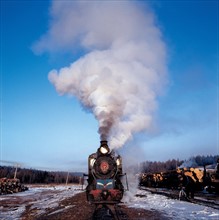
{"type": "Point", "coordinates": [44, 198]}
{"type": "Point", "coordinates": [173, 209]}
{"type": "Point", "coordinates": [40, 198]}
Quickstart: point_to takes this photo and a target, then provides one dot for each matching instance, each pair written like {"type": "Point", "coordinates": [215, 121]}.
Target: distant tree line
{"type": "Point", "coordinates": [153, 167]}
{"type": "Point", "coordinates": [196, 161]}
{"type": "Point", "coordinates": [31, 176]}
{"type": "Point", "coordinates": [201, 160]}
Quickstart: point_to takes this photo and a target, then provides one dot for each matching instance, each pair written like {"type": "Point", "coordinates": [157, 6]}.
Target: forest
{"type": "Point", "coordinates": [196, 161]}
{"type": "Point", "coordinates": [31, 176]}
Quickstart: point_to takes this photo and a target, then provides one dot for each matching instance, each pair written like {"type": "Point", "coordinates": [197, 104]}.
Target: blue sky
{"type": "Point", "coordinates": [42, 129]}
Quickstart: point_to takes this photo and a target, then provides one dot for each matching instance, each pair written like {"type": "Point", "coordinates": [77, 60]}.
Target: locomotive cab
{"type": "Point", "coordinates": [104, 176]}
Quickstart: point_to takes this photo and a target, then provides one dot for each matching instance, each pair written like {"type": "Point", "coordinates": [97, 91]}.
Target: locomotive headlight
{"type": "Point", "coordinates": [104, 150]}
{"type": "Point", "coordinates": [92, 161]}
{"type": "Point", "coordinates": [118, 162]}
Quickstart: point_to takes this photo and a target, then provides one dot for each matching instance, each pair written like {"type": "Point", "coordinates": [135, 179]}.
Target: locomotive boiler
{"type": "Point", "coordinates": [104, 176]}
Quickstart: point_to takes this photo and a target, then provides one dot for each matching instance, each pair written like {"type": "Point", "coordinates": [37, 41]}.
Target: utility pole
{"type": "Point", "coordinates": [15, 173]}
{"type": "Point", "coordinates": [67, 179]}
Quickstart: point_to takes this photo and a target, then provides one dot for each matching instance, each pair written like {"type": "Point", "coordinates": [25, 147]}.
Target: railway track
{"type": "Point", "coordinates": [109, 212]}
{"type": "Point", "coordinates": [200, 198]}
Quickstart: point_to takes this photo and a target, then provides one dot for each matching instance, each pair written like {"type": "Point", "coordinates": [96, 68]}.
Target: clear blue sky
{"type": "Point", "coordinates": [42, 129]}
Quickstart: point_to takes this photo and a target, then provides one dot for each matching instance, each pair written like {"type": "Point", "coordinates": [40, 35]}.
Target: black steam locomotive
{"type": "Point", "coordinates": [104, 176]}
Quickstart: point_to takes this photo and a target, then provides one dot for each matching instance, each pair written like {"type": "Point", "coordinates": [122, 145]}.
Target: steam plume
{"type": "Point", "coordinates": [124, 69]}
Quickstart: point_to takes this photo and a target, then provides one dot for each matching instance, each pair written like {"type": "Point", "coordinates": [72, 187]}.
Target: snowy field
{"type": "Point", "coordinates": [173, 209]}
{"type": "Point", "coordinates": [40, 198]}
{"type": "Point", "coordinates": [44, 198]}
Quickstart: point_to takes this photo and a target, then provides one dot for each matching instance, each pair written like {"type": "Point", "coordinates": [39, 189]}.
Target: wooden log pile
{"type": "Point", "coordinates": [9, 186]}
{"type": "Point", "coordinates": [171, 179]}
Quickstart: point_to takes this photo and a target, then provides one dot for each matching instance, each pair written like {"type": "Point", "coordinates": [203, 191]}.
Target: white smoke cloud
{"type": "Point", "coordinates": [124, 69]}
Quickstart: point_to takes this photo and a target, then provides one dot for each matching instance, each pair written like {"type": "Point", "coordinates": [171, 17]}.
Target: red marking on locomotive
{"type": "Point", "coordinates": [104, 166]}
{"type": "Point", "coordinates": [114, 195]}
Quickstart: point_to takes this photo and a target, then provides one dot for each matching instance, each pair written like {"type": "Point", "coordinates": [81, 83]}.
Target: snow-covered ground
{"type": "Point", "coordinates": [44, 198]}
{"type": "Point", "coordinates": [173, 209]}
{"type": "Point", "coordinates": [40, 198]}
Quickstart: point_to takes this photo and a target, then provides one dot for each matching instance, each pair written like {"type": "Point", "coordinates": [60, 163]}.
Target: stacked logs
{"type": "Point", "coordinates": [171, 179]}
{"type": "Point", "coordinates": [175, 179]}
{"type": "Point", "coordinates": [9, 186]}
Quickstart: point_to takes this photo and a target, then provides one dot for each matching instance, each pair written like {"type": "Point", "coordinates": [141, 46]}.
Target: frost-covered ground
{"type": "Point", "coordinates": [41, 199]}
{"type": "Point", "coordinates": [173, 209]}
{"type": "Point", "coordinates": [38, 198]}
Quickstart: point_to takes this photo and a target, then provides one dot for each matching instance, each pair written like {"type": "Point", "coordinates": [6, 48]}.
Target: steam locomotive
{"type": "Point", "coordinates": [104, 176]}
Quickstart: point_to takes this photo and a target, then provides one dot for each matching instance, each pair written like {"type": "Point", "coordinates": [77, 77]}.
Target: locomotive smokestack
{"type": "Point", "coordinates": [102, 143]}
{"type": "Point", "coordinates": [103, 149]}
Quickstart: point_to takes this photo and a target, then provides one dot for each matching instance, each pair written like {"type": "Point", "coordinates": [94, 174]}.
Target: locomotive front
{"type": "Point", "coordinates": [104, 176]}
